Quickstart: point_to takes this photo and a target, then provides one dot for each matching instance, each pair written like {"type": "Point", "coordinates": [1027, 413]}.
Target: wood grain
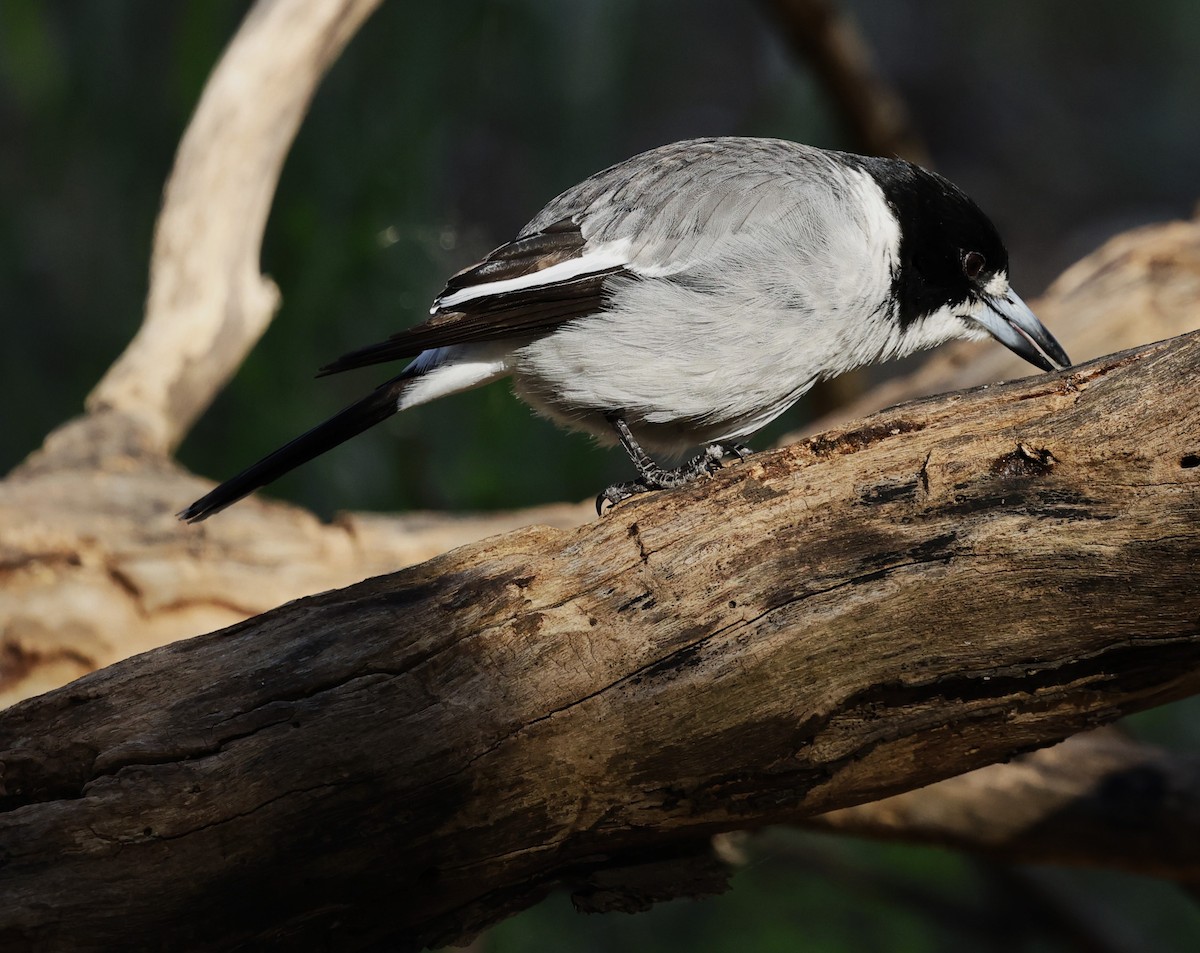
{"type": "Point", "coordinates": [406, 760]}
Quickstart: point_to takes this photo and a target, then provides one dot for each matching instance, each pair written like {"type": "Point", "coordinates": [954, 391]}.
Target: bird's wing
{"type": "Point", "coordinates": [538, 281]}
{"type": "Point", "coordinates": [657, 215]}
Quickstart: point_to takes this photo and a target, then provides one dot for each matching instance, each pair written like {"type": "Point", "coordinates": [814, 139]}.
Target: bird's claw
{"type": "Point", "coordinates": [619, 493]}
{"type": "Point", "coordinates": [706, 464]}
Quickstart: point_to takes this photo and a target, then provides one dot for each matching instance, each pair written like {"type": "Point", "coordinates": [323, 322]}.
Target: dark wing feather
{"type": "Point", "coordinates": [552, 245]}
{"type": "Point", "coordinates": [504, 314]}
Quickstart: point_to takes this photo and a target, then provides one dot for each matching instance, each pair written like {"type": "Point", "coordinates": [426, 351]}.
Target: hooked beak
{"type": "Point", "coordinates": [1008, 319]}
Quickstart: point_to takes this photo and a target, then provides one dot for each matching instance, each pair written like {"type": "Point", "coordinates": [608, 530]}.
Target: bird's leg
{"type": "Point", "coordinates": [654, 477]}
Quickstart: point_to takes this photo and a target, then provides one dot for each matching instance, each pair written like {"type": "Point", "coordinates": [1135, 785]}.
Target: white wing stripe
{"type": "Point", "coordinates": [609, 255]}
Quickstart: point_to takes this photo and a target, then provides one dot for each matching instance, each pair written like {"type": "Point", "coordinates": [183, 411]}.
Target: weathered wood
{"type": "Point", "coordinates": [256, 824]}
{"type": "Point", "coordinates": [208, 304]}
{"type": "Point", "coordinates": [93, 564]}
{"type": "Point", "coordinates": [1096, 799]}
{"type": "Point", "coordinates": [95, 567]}
{"type": "Point", "coordinates": [407, 760]}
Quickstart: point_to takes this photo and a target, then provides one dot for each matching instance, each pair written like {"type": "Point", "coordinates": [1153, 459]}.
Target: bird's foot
{"type": "Point", "coordinates": [619, 493]}
{"type": "Point", "coordinates": [660, 478]}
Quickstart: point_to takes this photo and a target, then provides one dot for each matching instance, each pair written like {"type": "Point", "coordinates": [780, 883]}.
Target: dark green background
{"type": "Point", "coordinates": [443, 128]}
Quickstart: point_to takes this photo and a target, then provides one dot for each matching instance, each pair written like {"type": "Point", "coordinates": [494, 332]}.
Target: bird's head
{"type": "Point", "coordinates": [951, 271]}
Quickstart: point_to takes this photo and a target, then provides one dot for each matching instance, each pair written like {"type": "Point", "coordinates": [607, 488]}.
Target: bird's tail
{"type": "Point", "coordinates": [375, 408]}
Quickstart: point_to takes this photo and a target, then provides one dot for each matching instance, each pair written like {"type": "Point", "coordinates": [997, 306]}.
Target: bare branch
{"type": "Point", "coordinates": [830, 42]}
{"type": "Point", "coordinates": [1096, 800]}
{"type": "Point", "coordinates": [97, 567]}
{"type": "Point", "coordinates": [932, 590]}
{"type": "Point", "coordinates": [208, 304]}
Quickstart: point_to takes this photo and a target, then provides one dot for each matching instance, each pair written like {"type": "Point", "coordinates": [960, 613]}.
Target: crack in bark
{"type": "Point", "coordinates": [295, 792]}
{"type": "Point", "coordinates": [663, 662]}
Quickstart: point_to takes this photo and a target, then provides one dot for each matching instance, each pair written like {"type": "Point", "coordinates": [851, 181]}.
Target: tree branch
{"type": "Point", "coordinates": [831, 44]}
{"type": "Point", "coordinates": [95, 568]}
{"type": "Point", "coordinates": [1095, 800]}
{"type": "Point", "coordinates": [934, 589]}
{"type": "Point", "coordinates": [208, 304]}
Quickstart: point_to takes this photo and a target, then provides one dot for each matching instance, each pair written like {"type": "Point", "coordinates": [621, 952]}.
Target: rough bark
{"type": "Point", "coordinates": [153, 763]}
{"type": "Point", "coordinates": [406, 760]}
{"type": "Point", "coordinates": [95, 567]}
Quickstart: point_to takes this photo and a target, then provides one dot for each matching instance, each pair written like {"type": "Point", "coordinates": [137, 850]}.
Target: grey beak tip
{"type": "Point", "coordinates": [1011, 322]}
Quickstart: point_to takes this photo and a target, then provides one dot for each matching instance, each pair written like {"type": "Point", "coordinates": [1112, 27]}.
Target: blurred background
{"type": "Point", "coordinates": [442, 130]}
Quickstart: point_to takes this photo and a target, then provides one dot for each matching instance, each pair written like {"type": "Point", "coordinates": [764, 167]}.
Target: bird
{"type": "Point", "coordinates": [685, 297]}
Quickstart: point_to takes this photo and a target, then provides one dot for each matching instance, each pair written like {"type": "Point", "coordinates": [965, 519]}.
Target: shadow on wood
{"type": "Point", "coordinates": [407, 760]}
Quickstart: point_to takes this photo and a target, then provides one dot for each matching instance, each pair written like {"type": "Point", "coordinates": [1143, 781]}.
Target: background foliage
{"type": "Point", "coordinates": [446, 126]}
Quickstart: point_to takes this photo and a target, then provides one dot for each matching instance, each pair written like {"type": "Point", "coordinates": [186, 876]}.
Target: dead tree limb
{"type": "Point", "coordinates": [1097, 799]}
{"type": "Point", "coordinates": [831, 44]}
{"type": "Point", "coordinates": [92, 565]}
{"type": "Point", "coordinates": [208, 304]}
{"type": "Point", "coordinates": [95, 567]}
{"type": "Point", "coordinates": [412, 758]}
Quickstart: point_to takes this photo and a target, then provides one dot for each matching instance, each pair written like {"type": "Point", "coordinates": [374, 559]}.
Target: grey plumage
{"type": "Point", "coordinates": [678, 201]}
{"type": "Point", "coordinates": [696, 291]}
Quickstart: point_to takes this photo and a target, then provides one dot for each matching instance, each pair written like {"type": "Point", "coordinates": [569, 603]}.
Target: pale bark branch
{"type": "Point", "coordinates": [208, 304]}
{"type": "Point", "coordinates": [935, 589]}
{"type": "Point", "coordinates": [95, 567]}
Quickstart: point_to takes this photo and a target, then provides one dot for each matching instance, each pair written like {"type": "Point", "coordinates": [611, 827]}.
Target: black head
{"type": "Point", "coordinates": [949, 250]}
{"type": "Point", "coordinates": [950, 278]}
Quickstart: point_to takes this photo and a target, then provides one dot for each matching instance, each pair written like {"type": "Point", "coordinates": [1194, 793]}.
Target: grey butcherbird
{"type": "Point", "coordinates": [689, 295]}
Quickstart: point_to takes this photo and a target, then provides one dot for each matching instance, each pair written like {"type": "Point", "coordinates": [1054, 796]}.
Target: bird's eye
{"type": "Point", "coordinates": [973, 264]}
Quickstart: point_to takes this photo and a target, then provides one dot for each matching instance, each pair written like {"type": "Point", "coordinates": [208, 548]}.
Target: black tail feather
{"type": "Point", "coordinates": [389, 350]}
{"type": "Point", "coordinates": [375, 408]}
